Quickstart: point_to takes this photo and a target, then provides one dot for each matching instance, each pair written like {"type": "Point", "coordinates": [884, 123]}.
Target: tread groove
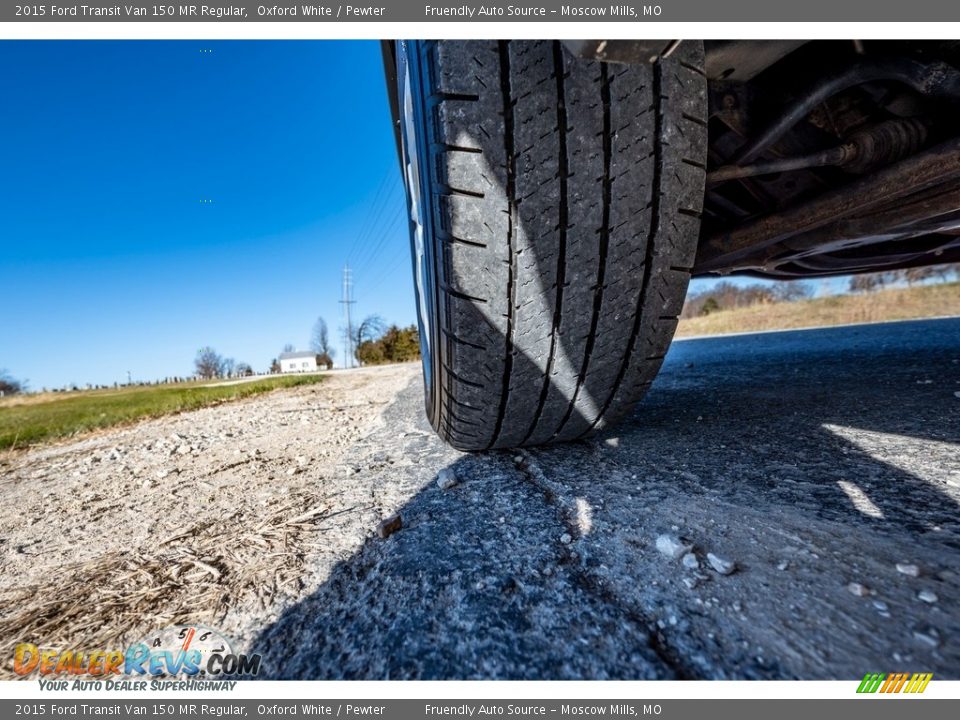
{"type": "Point", "coordinates": [698, 121]}
{"type": "Point", "coordinates": [456, 377]}
{"type": "Point", "coordinates": [651, 238]}
{"type": "Point", "coordinates": [460, 340]}
{"type": "Point", "coordinates": [562, 171]}
{"type": "Point", "coordinates": [693, 68]}
{"type": "Point", "coordinates": [452, 191]}
{"type": "Point", "coordinates": [503, 47]}
{"type": "Point", "coordinates": [443, 96]}
{"type": "Point", "coordinates": [461, 295]}
{"type": "Point", "coordinates": [450, 147]}
{"type": "Point", "coordinates": [607, 192]}
{"type": "Point", "coordinates": [453, 240]}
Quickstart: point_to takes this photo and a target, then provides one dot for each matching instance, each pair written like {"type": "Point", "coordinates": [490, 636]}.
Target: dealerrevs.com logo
{"type": "Point", "coordinates": [172, 655]}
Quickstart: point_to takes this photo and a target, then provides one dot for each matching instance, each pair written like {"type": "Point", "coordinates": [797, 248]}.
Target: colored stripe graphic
{"type": "Point", "coordinates": [894, 683]}
{"type": "Point", "coordinates": [918, 683]}
{"type": "Point", "coordinates": [870, 683]}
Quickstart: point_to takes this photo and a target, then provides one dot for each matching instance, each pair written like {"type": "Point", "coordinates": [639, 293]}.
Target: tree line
{"type": "Point", "coordinates": [727, 296]}
{"type": "Point", "coordinates": [910, 277]}
{"type": "Point", "coordinates": [209, 365]}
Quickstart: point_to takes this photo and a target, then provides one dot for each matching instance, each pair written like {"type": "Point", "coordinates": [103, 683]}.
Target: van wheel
{"type": "Point", "coordinates": [555, 207]}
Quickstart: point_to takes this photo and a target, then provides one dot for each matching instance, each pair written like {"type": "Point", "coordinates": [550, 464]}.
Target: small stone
{"type": "Point", "coordinates": [690, 561]}
{"type": "Point", "coordinates": [389, 526]}
{"type": "Point", "coordinates": [690, 582]}
{"type": "Point", "coordinates": [446, 479]}
{"type": "Point", "coordinates": [301, 459]}
{"type": "Point", "coordinates": [880, 605]}
{"type": "Point", "coordinates": [183, 449]}
{"type": "Point", "coordinates": [908, 569]}
{"type": "Point", "coordinates": [926, 638]}
{"type": "Point", "coordinates": [148, 484]}
{"type": "Point", "coordinates": [612, 442]}
{"type": "Point", "coordinates": [927, 596]}
{"type": "Point", "coordinates": [957, 394]}
{"type": "Point", "coordinates": [293, 471]}
{"type": "Point", "coordinates": [566, 539]}
{"type": "Point", "coordinates": [721, 565]}
{"type": "Point", "coordinates": [518, 459]}
{"type": "Point", "coordinates": [857, 589]}
{"type": "Point", "coordinates": [162, 473]}
{"type": "Point", "coordinates": [783, 565]}
{"type": "Point", "coordinates": [946, 575]}
{"type": "Point", "coordinates": [672, 546]}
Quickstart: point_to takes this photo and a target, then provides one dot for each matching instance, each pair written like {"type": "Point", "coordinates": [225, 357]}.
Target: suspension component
{"type": "Point", "coordinates": [866, 149]}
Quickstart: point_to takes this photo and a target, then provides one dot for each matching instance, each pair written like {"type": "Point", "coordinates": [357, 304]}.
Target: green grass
{"type": "Point", "coordinates": [28, 420]}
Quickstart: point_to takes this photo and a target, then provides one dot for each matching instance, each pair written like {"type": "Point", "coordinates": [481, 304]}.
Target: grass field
{"type": "Point", "coordinates": [30, 419]}
{"type": "Point", "coordinates": [893, 304]}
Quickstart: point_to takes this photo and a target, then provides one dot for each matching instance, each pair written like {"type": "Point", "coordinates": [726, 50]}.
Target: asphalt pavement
{"type": "Point", "coordinates": [781, 505]}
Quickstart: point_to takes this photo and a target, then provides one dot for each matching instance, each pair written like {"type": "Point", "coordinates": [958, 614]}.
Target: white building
{"type": "Point", "coordinates": [293, 362]}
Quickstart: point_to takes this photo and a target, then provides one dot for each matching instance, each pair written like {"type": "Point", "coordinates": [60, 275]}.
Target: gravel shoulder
{"type": "Point", "coordinates": [219, 516]}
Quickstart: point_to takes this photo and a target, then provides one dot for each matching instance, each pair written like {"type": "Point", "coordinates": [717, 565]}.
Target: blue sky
{"type": "Point", "coordinates": [110, 260]}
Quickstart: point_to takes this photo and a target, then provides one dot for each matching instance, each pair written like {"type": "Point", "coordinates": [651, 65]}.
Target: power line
{"type": "Point", "coordinates": [379, 203]}
{"type": "Point", "coordinates": [377, 199]}
{"type": "Point", "coordinates": [385, 232]}
{"type": "Point", "coordinates": [391, 266]}
{"type": "Point", "coordinates": [371, 231]}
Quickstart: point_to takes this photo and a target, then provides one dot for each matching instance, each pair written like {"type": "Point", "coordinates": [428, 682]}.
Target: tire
{"type": "Point", "coordinates": [555, 207]}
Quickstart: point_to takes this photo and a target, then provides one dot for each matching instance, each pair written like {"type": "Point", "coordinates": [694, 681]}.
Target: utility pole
{"type": "Point", "coordinates": [347, 301]}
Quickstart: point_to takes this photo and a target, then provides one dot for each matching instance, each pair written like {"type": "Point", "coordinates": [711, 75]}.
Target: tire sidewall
{"type": "Point", "coordinates": [413, 96]}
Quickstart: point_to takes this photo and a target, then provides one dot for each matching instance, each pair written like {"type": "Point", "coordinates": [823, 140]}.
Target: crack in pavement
{"type": "Point", "coordinates": [556, 495]}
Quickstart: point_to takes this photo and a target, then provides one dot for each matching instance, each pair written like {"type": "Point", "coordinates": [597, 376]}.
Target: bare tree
{"type": "Point", "coordinates": [10, 386]}
{"type": "Point", "coordinates": [320, 341]}
{"type": "Point", "coordinates": [228, 367]}
{"type": "Point", "coordinates": [370, 328]}
{"type": "Point", "coordinates": [864, 283]}
{"type": "Point", "coordinates": [208, 363]}
{"type": "Point", "coordinates": [792, 291]}
{"type": "Point", "coordinates": [244, 369]}
{"type": "Point", "coordinates": [289, 348]}
{"type": "Point", "coordinates": [918, 275]}
{"type": "Point", "coordinates": [943, 272]}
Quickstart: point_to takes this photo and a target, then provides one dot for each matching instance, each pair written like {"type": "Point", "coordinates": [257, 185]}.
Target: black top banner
{"type": "Point", "coordinates": [536, 11]}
